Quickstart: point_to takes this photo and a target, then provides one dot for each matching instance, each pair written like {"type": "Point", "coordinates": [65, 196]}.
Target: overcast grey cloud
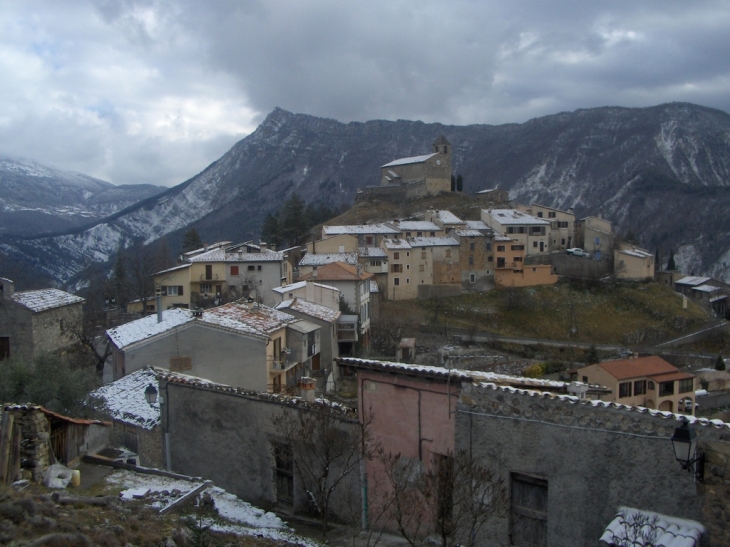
{"type": "Point", "coordinates": [152, 91]}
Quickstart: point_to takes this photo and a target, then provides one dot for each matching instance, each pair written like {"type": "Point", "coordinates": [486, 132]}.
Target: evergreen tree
{"type": "Point", "coordinates": [270, 230]}
{"type": "Point", "coordinates": [119, 278]}
{"type": "Point", "coordinates": [720, 363]}
{"type": "Point", "coordinates": [293, 222]}
{"type": "Point", "coordinates": [671, 265]}
{"type": "Point", "coordinates": [459, 184]}
{"type": "Point", "coordinates": [191, 241]}
{"type": "Point", "coordinates": [453, 184]}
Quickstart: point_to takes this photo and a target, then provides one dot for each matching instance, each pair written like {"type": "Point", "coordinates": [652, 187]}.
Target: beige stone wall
{"type": "Point", "coordinates": [530, 275]}
{"type": "Point", "coordinates": [53, 329]}
{"type": "Point", "coordinates": [344, 243]}
{"type": "Point", "coordinates": [179, 277]}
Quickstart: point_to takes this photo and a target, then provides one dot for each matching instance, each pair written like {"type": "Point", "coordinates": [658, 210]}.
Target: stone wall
{"type": "Point", "coordinates": [595, 458]}
{"type": "Point", "coordinates": [438, 291]}
{"type": "Point", "coordinates": [580, 268]}
{"type": "Point", "coordinates": [35, 446]}
{"type": "Point", "coordinates": [228, 436]}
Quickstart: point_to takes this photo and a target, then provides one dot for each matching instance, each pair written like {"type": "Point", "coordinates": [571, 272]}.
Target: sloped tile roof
{"type": "Point", "coordinates": [45, 299]}
{"type": "Point", "coordinates": [124, 399]}
{"type": "Point", "coordinates": [634, 368]}
{"type": "Point", "coordinates": [406, 161]}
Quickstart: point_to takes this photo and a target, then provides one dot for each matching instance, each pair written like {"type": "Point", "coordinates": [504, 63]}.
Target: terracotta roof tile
{"type": "Point", "coordinates": [634, 368]}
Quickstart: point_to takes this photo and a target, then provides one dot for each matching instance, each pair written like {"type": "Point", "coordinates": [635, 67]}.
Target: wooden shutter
{"type": "Point", "coordinates": [181, 363]}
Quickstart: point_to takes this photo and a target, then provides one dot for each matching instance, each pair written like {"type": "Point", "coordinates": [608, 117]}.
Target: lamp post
{"type": "Point", "coordinates": [684, 442]}
{"type": "Point", "coordinates": [150, 393]}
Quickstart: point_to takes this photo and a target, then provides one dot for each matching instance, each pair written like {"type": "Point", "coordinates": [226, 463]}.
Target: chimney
{"type": "Point", "coordinates": [314, 272]}
{"type": "Point", "coordinates": [158, 303]}
{"type": "Point", "coordinates": [262, 244]}
{"type": "Point", "coordinates": [306, 388]}
{"type": "Point", "coordinates": [359, 269]}
{"type": "Point", "coordinates": [7, 288]}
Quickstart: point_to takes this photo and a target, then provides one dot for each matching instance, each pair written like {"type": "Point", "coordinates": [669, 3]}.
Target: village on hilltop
{"type": "Point", "coordinates": [254, 367]}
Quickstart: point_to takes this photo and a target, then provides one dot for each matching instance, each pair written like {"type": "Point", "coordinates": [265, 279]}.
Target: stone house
{"type": "Point", "coordinates": [650, 382]}
{"type": "Point", "coordinates": [135, 422]}
{"type": "Point", "coordinates": [340, 243]}
{"type": "Point", "coordinates": [317, 293]}
{"type": "Point", "coordinates": [368, 235]}
{"type": "Point", "coordinates": [327, 319]}
{"type": "Point", "coordinates": [476, 259]}
{"type": "Point", "coordinates": [445, 220]}
{"type": "Point", "coordinates": [510, 269]}
{"type": "Point", "coordinates": [37, 322]}
{"type": "Point", "coordinates": [567, 464]}
{"type": "Point", "coordinates": [528, 230]}
{"type": "Point", "coordinates": [595, 235]}
{"type": "Point", "coordinates": [224, 272]}
{"type": "Point", "coordinates": [354, 285]}
{"type": "Point", "coordinates": [431, 173]}
{"type": "Point", "coordinates": [633, 263]}
{"type": "Point", "coordinates": [245, 452]}
{"type": "Point", "coordinates": [312, 262]}
{"type": "Point", "coordinates": [420, 228]}
{"type": "Point", "coordinates": [562, 225]}
{"type": "Point", "coordinates": [238, 344]}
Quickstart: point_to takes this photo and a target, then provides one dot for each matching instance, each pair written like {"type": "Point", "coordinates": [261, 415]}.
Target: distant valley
{"type": "Point", "coordinates": [662, 173]}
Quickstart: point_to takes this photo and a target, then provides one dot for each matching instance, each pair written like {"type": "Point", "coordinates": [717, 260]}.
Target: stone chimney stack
{"type": "Point", "coordinates": [7, 288]}
{"type": "Point", "coordinates": [307, 388]}
{"type": "Point", "coordinates": [263, 246]}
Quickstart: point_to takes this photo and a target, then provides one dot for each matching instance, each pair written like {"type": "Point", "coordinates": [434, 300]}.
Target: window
{"type": "Point", "coordinates": [650, 385]}
{"type": "Point", "coordinates": [489, 246]}
{"type": "Point", "coordinates": [368, 240]}
{"type": "Point", "coordinates": [421, 268]}
{"type": "Point", "coordinates": [181, 363]}
{"type": "Point", "coordinates": [562, 224]}
{"type": "Point", "coordinates": [448, 253]}
{"type": "Point", "coordinates": [376, 262]}
{"type": "Point", "coordinates": [396, 268]}
{"type": "Point", "coordinates": [433, 234]}
{"type": "Point", "coordinates": [234, 270]}
{"type": "Point", "coordinates": [518, 247]}
{"type": "Point", "coordinates": [539, 214]}
{"type": "Point", "coordinates": [206, 288]}
{"type": "Point", "coordinates": [639, 387]}
{"type": "Point", "coordinates": [472, 278]}
{"type": "Point", "coordinates": [686, 385]}
{"type": "Point", "coordinates": [562, 241]}
{"type": "Point", "coordinates": [534, 243]}
{"type": "Point", "coordinates": [528, 510]}
{"type": "Point", "coordinates": [408, 280]}
{"type": "Point", "coordinates": [518, 259]}
{"type": "Point", "coordinates": [396, 281]}
{"type": "Point", "coordinates": [510, 229]}
{"type": "Point", "coordinates": [251, 268]}
{"type": "Point", "coordinates": [501, 248]}
{"type": "Point", "coordinates": [419, 234]}
{"type": "Point", "coordinates": [551, 214]}
{"type": "Point", "coordinates": [471, 246]}
{"type": "Point", "coordinates": [174, 290]}
{"type": "Point", "coordinates": [624, 390]}
{"type": "Point", "coordinates": [490, 258]}
{"type": "Point", "coordinates": [408, 253]}
{"type": "Point", "coordinates": [471, 261]}
{"type": "Point", "coordinates": [666, 388]}
{"type": "Point", "coordinates": [585, 379]}
{"type": "Point", "coordinates": [396, 255]}
{"type": "Point", "coordinates": [408, 234]}
{"type": "Point", "coordinates": [423, 255]}
{"type": "Point", "coordinates": [284, 468]}
{"type": "Point", "coordinates": [537, 230]}
{"type": "Point", "coordinates": [408, 266]}
{"type": "Point", "coordinates": [209, 271]}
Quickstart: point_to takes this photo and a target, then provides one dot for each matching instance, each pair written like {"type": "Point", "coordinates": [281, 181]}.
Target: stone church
{"type": "Point", "coordinates": [430, 173]}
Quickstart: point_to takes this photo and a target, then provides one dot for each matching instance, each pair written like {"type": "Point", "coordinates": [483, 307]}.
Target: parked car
{"type": "Point", "coordinates": [576, 251]}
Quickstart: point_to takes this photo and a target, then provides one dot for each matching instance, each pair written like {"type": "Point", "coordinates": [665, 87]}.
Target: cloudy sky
{"type": "Point", "coordinates": [152, 91]}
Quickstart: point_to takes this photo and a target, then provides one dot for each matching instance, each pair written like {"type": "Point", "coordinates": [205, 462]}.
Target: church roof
{"type": "Point", "coordinates": [405, 161]}
{"type": "Point", "coordinates": [441, 140]}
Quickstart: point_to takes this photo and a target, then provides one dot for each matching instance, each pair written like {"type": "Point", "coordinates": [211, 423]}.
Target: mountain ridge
{"type": "Point", "coordinates": [661, 172]}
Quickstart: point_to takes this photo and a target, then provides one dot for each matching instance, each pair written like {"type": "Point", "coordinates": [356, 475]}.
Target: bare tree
{"type": "Point", "coordinates": [327, 444]}
{"type": "Point", "coordinates": [452, 500]}
{"type": "Point", "coordinates": [141, 262]}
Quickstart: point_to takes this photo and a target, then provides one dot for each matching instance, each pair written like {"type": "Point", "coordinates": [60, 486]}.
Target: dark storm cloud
{"type": "Point", "coordinates": [153, 91]}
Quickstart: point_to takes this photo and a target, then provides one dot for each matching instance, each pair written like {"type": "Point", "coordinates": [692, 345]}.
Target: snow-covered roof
{"type": "Point", "coordinates": [147, 327]}
{"type": "Point", "coordinates": [396, 244]}
{"type": "Point", "coordinates": [468, 233]}
{"type": "Point", "coordinates": [338, 271]}
{"type": "Point", "coordinates": [718, 298]}
{"type": "Point", "coordinates": [433, 242]}
{"type": "Point", "coordinates": [666, 531]}
{"type": "Point", "coordinates": [372, 252]}
{"type": "Point", "coordinates": [321, 259]}
{"type": "Point", "coordinates": [45, 299]}
{"type": "Point", "coordinates": [124, 399]}
{"type": "Point", "coordinates": [222, 255]}
{"type": "Point", "coordinates": [253, 319]}
{"type": "Point", "coordinates": [502, 237]}
{"type": "Point", "coordinates": [174, 269]}
{"type": "Point", "coordinates": [476, 225]}
{"type": "Point", "coordinates": [405, 161]}
{"type": "Point", "coordinates": [292, 287]}
{"type": "Point", "coordinates": [418, 225]}
{"type": "Point", "coordinates": [706, 288]}
{"type": "Point", "coordinates": [363, 229]}
{"type": "Point", "coordinates": [692, 281]}
{"type": "Point", "coordinates": [447, 217]}
{"type": "Point", "coordinates": [311, 309]}
{"type": "Point", "coordinates": [636, 253]}
{"type": "Point", "coordinates": [207, 248]}
{"type": "Point", "coordinates": [513, 216]}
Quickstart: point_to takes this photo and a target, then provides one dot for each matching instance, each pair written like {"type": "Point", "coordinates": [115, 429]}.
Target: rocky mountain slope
{"type": "Point", "coordinates": [36, 199]}
{"type": "Point", "coordinates": [661, 172]}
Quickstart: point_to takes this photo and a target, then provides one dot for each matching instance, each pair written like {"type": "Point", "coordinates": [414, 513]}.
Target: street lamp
{"type": "Point", "coordinates": [684, 442]}
{"type": "Point", "coordinates": [151, 394]}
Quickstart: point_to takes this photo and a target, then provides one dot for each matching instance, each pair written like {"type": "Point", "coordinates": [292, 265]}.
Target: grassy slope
{"type": "Point", "coordinates": [604, 314]}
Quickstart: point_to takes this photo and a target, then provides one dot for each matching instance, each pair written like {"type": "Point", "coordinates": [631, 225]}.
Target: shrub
{"type": "Point", "coordinates": [720, 363]}
{"type": "Point", "coordinates": [536, 370]}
